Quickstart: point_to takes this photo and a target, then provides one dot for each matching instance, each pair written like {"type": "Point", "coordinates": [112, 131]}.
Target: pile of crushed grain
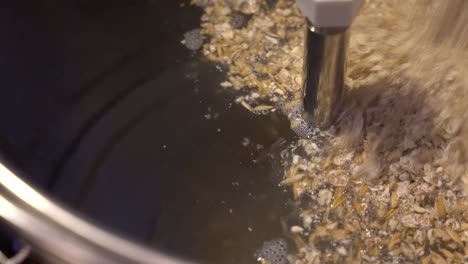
{"type": "Point", "coordinates": [391, 183]}
{"type": "Point", "coordinates": [263, 52]}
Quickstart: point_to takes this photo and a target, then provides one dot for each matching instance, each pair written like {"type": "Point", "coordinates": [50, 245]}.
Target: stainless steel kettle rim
{"type": "Point", "coordinates": [62, 236]}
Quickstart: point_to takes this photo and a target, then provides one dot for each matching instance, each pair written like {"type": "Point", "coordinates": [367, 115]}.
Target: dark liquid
{"type": "Point", "coordinates": [156, 168]}
{"type": "Point", "coordinates": [124, 136]}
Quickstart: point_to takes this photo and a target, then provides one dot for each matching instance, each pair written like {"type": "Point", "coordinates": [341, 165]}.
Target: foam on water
{"type": "Point", "coordinates": [273, 251]}
{"type": "Point", "coordinates": [193, 39]}
{"type": "Point", "coordinates": [299, 120]}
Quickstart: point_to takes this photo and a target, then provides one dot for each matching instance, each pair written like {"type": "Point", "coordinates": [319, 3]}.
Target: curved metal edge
{"type": "Point", "coordinates": [62, 235]}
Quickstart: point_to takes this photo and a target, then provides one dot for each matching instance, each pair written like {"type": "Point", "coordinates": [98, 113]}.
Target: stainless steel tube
{"type": "Point", "coordinates": [324, 73]}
